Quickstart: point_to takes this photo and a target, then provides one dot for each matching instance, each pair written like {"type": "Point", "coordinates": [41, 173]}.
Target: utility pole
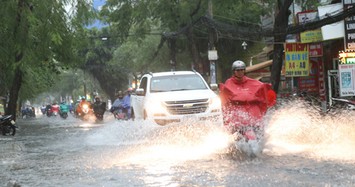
{"type": "Point", "coordinates": [212, 52]}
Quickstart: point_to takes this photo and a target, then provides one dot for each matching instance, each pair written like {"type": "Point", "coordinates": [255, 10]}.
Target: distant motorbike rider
{"type": "Point", "coordinates": [117, 106]}
{"type": "Point", "coordinates": [63, 109]}
{"type": "Point", "coordinates": [55, 109]}
{"type": "Point", "coordinates": [83, 107]}
{"type": "Point", "coordinates": [99, 108]}
{"type": "Point", "coordinates": [126, 104]}
{"type": "Point", "coordinates": [43, 109]}
{"type": "Point", "coordinates": [49, 110]}
{"type": "Point", "coordinates": [28, 111]}
{"type": "Point", "coordinates": [244, 100]}
{"type": "Point", "coordinates": [118, 102]}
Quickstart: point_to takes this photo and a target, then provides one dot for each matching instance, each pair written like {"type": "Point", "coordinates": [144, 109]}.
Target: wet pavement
{"type": "Point", "coordinates": [302, 149]}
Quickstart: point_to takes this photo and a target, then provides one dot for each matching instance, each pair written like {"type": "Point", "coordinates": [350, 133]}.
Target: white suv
{"type": "Point", "coordinates": [176, 97]}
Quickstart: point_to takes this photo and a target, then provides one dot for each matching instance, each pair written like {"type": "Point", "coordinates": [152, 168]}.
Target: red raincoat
{"type": "Point", "coordinates": [245, 102]}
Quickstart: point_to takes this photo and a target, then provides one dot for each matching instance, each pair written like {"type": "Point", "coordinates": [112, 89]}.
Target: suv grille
{"type": "Point", "coordinates": [187, 107]}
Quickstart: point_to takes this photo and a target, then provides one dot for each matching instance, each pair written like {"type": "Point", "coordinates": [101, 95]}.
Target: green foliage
{"type": "Point", "coordinates": [40, 38]}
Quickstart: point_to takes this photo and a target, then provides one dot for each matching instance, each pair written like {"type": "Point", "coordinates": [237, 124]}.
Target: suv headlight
{"type": "Point", "coordinates": [215, 103]}
{"type": "Point", "coordinates": [156, 106]}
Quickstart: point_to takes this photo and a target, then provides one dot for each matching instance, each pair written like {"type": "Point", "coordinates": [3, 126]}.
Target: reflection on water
{"type": "Point", "coordinates": [296, 128]}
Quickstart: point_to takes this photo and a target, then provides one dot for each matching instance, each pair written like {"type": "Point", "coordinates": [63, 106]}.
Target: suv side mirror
{"type": "Point", "coordinates": [214, 87]}
{"type": "Point", "coordinates": [140, 91]}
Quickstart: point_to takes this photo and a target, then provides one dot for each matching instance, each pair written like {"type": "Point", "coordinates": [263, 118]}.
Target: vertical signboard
{"type": "Point", "coordinates": [296, 60]}
{"type": "Point", "coordinates": [349, 27]}
{"type": "Point", "coordinates": [315, 50]}
{"type": "Point", "coordinates": [310, 83]}
{"type": "Point", "coordinates": [346, 79]}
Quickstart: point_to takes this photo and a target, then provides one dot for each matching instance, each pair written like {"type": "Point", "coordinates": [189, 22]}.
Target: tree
{"type": "Point", "coordinates": [182, 24]}
{"type": "Point", "coordinates": [38, 34]}
{"type": "Point", "coordinates": [281, 23]}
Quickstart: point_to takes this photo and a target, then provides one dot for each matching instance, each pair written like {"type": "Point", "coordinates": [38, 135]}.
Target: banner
{"type": "Point", "coordinates": [346, 78]}
{"type": "Point", "coordinates": [296, 60]}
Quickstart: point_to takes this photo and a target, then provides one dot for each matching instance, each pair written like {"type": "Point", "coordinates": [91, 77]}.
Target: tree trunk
{"type": "Point", "coordinates": [280, 26]}
{"type": "Point", "coordinates": [15, 89]}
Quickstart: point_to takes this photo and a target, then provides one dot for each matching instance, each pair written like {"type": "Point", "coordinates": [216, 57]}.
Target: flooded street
{"type": "Point", "coordinates": [302, 148]}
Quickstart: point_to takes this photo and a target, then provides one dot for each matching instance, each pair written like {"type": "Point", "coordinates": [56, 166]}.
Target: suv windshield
{"type": "Point", "coordinates": [176, 83]}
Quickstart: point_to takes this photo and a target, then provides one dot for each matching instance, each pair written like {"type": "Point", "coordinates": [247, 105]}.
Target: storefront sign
{"type": "Point", "coordinates": [315, 50]}
{"type": "Point", "coordinates": [312, 35]}
{"type": "Point", "coordinates": [346, 78]}
{"type": "Point", "coordinates": [310, 83]}
{"type": "Point", "coordinates": [347, 57]}
{"type": "Point", "coordinates": [296, 60]}
{"type": "Point", "coordinates": [349, 27]}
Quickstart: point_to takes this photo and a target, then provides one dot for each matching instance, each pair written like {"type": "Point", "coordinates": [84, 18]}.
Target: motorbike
{"type": "Point", "coordinates": [243, 114]}
{"type": "Point", "coordinates": [99, 110]}
{"type": "Point", "coordinates": [43, 110]}
{"type": "Point", "coordinates": [63, 114]}
{"type": "Point", "coordinates": [84, 112]}
{"type": "Point", "coordinates": [119, 113]}
{"type": "Point", "coordinates": [55, 109]}
{"type": "Point", "coordinates": [248, 136]}
{"type": "Point", "coordinates": [49, 111]}
{"type": "Point", "coordinates": [63, 111]}
{"type": "Point", "coordinates": [28, 113]}
{"type": "Point", "coordinates": [7, 125]}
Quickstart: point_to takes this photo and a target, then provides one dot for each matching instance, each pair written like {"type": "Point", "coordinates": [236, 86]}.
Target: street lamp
{"type": "Point", "coordinates": [244, 45]}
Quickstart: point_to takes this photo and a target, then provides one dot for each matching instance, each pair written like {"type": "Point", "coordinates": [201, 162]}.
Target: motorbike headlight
{"type": "Point", "coordinates": [85, 106]}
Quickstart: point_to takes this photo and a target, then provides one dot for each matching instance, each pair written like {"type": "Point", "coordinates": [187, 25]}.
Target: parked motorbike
{"type": "Point", "coordinates": [7, 125]}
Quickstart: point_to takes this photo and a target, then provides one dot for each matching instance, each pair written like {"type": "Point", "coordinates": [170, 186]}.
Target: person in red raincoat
{"type": "Point", "coordinates": [244, 100]}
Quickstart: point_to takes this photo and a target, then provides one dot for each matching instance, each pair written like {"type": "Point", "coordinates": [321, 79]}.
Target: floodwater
{"type": "Point", "coordinates": [302, 148]}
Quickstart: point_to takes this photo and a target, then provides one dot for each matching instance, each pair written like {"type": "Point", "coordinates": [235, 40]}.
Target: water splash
{"type": "Point", "coordinates": [146, 144]}
{"type": "Point", "coordinates": [298, 128]}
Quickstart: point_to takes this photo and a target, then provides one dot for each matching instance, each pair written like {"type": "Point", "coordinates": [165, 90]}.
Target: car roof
{"type": "Point", "coordinates": [158, 74]}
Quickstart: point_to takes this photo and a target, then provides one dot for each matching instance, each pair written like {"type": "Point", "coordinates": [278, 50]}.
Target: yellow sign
{"type": "Point", "coordinates": [311, 36]}
{"type": "Point", "coordinates": [296, 60]}
{"type": "Point", "coordinates": [347, 57]}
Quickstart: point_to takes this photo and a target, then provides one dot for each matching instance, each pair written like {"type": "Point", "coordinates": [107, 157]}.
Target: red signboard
{"type": "Point", "coordinates": [310, 83]}
{"type": "Point", "coordinates": [315, 50]}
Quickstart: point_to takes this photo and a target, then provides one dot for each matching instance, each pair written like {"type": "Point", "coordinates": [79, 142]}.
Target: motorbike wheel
{"type": "Point", "coordinates": [9, 130]}
{"type": "Point", "coordinates": [65, 115]}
